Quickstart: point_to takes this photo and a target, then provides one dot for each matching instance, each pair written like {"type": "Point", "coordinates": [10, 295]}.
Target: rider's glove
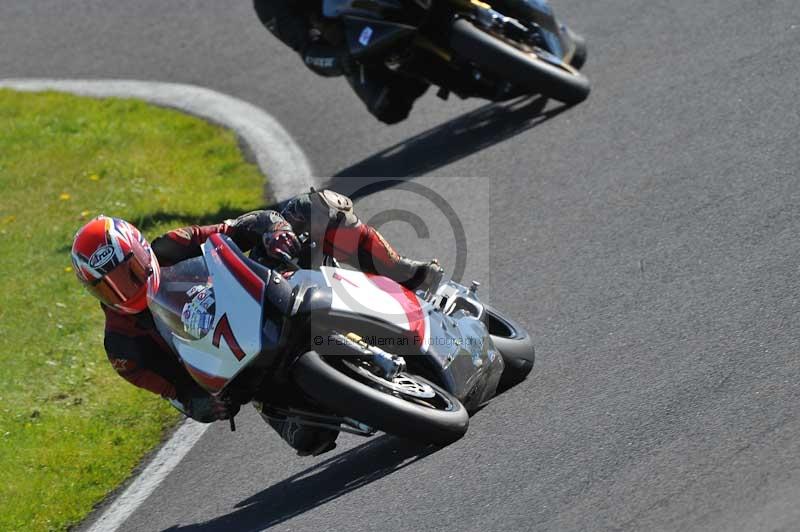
{"type": "Point", "coordinates": [427, 275]}
{"type": "Point", "coordinates": [282, 245]}
{"type": "Point", "coordinates": [249, 227]}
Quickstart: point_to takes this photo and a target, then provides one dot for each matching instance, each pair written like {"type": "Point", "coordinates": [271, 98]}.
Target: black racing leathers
{"type": "Point", "coordinates": [290, 21]}
{"type": "Point", "coordinates": [299, 24]}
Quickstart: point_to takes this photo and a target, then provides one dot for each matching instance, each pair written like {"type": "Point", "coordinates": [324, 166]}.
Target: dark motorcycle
{"type": "Point", "coordinates": [467, 46]}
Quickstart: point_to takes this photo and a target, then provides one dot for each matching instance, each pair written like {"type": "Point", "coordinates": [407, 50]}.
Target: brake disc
{"type": "Point", "coordinates": [403, 383]}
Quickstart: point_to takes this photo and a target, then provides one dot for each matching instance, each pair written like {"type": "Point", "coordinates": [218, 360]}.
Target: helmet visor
{"type": "Point", "coordinates": [124, 282]}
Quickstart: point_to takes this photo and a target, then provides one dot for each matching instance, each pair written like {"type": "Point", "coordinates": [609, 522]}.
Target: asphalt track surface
{"type": "Point", "coordinates": [647, 237]}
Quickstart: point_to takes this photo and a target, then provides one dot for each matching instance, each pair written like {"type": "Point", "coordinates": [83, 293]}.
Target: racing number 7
{"type": "Point", "coordinates": [223, 330]}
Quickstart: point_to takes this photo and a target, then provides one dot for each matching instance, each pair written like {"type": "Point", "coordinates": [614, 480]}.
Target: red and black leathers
{"type": "Point", "coordinates": [299, 24]}
{"type": "Point", "coordinates": [140, 355]}
{"type": "Point", "coordinates": [133, 345]}
{"type": "Point", "coordinates": [328, 217]}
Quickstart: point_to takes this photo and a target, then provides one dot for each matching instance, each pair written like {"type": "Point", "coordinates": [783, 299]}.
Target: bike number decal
{"type": "Point", "coordinates": [223, 330]}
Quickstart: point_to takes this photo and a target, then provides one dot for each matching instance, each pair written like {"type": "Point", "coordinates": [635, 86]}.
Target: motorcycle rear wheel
{"type": "Point", "coordinates": [439, 420]}
{"type": "Point", "coordinates": [524, 69]}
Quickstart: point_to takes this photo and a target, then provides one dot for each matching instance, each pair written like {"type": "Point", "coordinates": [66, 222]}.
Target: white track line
{"type": "Point", "coordinates": [278, 156]}
{"type": "Point", "coordinates": [151, 476]}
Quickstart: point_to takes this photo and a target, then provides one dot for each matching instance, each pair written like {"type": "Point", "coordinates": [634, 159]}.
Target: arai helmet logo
{"type": "Point", "coordinates": [101, 256]}
{"type": "Point", "coordinates": [366, 35]}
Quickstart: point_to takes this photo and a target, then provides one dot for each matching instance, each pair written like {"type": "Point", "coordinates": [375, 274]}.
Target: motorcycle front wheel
{"type": "Point", "coordinates": [515, 346]}
{"type": "Point", "coordinates": [408, 406]}
{"type": "Point", "coordinates": [525, 69]}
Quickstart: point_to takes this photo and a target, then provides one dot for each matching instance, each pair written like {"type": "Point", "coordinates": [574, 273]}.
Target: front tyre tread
{"type": "Point", "coordinates": [350, 397]}
{"type": "Point", "coordinates": [520, 68]}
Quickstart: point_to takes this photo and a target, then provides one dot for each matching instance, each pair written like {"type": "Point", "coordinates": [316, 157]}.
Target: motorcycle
{"type": "Point", "coordinates": [467, 46]}
{"type": "Point", "coordinates": [337, 348]}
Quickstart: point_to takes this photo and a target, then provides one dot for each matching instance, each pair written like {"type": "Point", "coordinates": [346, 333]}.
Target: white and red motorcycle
{"type": "Point", "coordinates": [337, 348]}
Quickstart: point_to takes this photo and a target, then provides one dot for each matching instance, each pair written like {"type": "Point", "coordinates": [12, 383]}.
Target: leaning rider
{"type": "Point", "coordinates": [117, 265]}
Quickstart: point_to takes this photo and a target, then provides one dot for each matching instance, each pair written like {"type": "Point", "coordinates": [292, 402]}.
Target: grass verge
{"type": "Point", "coordinates": [71, 429]}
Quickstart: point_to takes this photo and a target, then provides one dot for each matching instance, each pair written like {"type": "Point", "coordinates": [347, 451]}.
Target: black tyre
{"type": "Point", "coordinates": [581, 49]}
{"type": "Point", "coordinates": [515, 346]}
{"type": "Point", "coordinates": [338, 385]}
{"type": "Point", "coordinates": [525, 69]}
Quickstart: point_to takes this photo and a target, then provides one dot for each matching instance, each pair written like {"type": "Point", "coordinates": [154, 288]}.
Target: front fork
{"type": "Point", "coordinates": [390, 365]}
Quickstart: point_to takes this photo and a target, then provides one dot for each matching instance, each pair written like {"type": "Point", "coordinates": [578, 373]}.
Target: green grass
{"type": "Point", "coordinates": [71, 429]}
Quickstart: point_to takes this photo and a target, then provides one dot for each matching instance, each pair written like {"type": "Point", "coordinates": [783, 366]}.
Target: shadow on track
{"type": "Point", "coordinates": [451, 141]}
{"type": "Point", "coordinates": [455, 139]}
{"type": "Point", "coordinates": [317, 485]}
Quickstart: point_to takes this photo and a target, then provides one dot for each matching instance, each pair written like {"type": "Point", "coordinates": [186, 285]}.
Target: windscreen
{"type": "Point", "coordinates": [185, 299]}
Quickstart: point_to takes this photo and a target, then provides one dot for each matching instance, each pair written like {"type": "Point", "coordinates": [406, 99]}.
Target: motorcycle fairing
{"type": "Point", "coordinates": [372, 37]}
{"type": "Point", "coordinates": [466, 358]}
{"type": "Point", "coordinates": [375, 296]}
{"type": "Point", "coordinates": [214, 360]}
{"type": "Point", "coordinates": [541, 13]}
{"type": "Point", "coordinates": [362, 8]}
{"type": "Point", "coordinates": [457, 346]}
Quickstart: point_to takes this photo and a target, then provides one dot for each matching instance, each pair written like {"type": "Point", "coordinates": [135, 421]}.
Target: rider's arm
{"type": "Point", "coordinates": [184, 243]}
{"type": "Point", "coordinates": [194, 402]}
{"type": "Point", "coordinates": [147, 379]}
{"type": "Point", "coordinates": [128, 348]}
{"type": "Point", "coordinates": [140, 355]}
{"type": "Point", "coordinates": [288, 20]}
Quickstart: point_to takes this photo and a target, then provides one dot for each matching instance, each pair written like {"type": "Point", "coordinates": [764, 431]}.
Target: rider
{"type": "Point", "coordinates": [300, 25]}
{"type": "Point", "coordinates": [119, 267]}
